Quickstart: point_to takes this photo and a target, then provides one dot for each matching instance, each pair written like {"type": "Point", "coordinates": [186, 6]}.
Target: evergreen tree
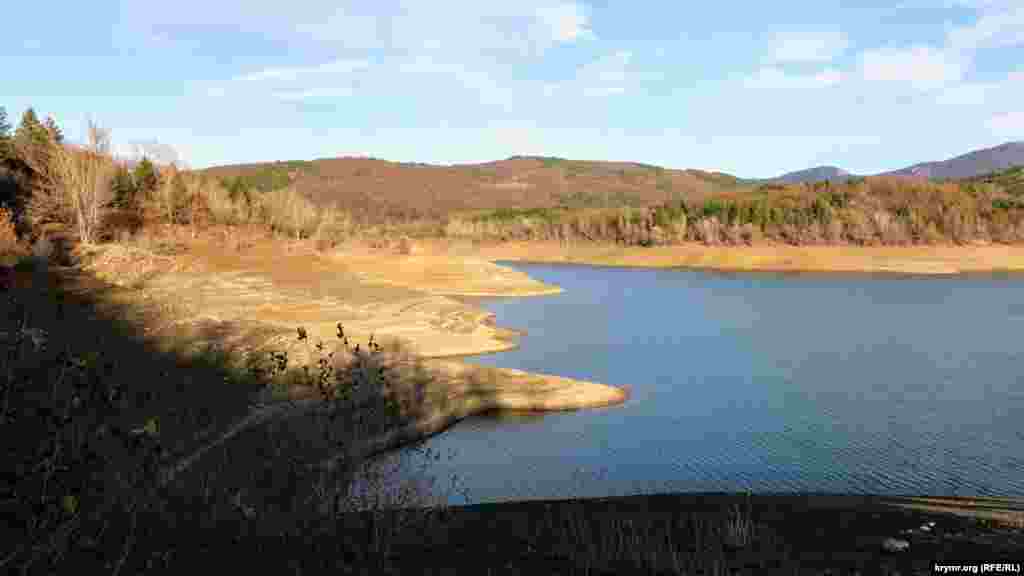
{"type": "Point", "coordinates": [31, 131]}
{"type": "Point", "coordinates": [146, 177]}
{"type": "Point", "coordinates": [177, 203]}
{"type": "Point", "coordinates": [5, 134]}
{"type": "Point", "coordinates": [124, 188]}
{"type": "Point", "coordinates": [56, 134]}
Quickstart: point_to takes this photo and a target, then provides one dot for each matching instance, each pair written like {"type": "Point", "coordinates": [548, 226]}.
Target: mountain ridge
{"type": "Point", "coordinates": [969, 165]}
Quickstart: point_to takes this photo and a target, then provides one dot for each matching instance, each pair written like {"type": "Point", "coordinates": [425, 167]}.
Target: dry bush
{"type": "Point", "coordinates": [171, 196]}
{"type": "Point", "coordinates": [832, 231]}
{"type": "Point", "coordinates": [120, 225]}
{"type": "Point", "coordinates": [221, 209]}
{"type": "Point", "coordinates": [334, 227]}
{"type": "Point", "coordinates": [708, 231]}
{"type": "Point", "coordinates": [288, 211]}
{"type": "Point", "coordinates": [9, 243]}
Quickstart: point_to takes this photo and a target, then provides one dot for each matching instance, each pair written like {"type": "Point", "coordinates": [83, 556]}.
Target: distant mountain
{"type": "Point", "coordinates": [968, 165]}
{"type": "Point", "coordinates": [816, 174]}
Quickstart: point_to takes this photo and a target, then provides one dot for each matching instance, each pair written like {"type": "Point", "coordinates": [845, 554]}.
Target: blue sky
{"type": "Point", "coordinates": [750, 88]}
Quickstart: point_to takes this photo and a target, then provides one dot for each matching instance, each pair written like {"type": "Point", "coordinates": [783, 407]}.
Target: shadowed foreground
{"type": "Point", "coordinates": [669, 534]}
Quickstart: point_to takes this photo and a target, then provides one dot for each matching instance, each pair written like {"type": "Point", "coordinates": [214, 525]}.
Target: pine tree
{"type": "Point", "coordinates": [5, 134]}
{"type": "Point", "coordinates": [31, 131]}
{"type": "Point", "coordinates": [5, 126]}
{"type": "Point", "coordinates": [146, 177]}
{"type": "Point", "coordinates": [124, 188]}
{"type": "Point", "coordinates": [56, 134]}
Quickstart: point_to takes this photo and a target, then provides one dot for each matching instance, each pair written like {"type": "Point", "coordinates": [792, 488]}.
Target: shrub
{"type": "Point", "coordinates": [9, 242]}
{"type": "Point", "coordinates": [712, 208]}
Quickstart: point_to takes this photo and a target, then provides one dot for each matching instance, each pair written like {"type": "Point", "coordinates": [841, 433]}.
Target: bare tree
{"type": "Point", "coordinates": [85, 176]}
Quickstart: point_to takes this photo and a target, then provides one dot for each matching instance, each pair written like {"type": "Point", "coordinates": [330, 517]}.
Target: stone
{"type": "Point", "coordinates": [895, 545]}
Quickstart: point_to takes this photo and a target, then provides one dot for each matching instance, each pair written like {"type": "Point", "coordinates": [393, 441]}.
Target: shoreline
{"type": "Point", "coordinates": [430, 300]}
{"type": "Point", "coordinates": [414, 301]}
{"type": "Point", "coordinates": [930, 261]}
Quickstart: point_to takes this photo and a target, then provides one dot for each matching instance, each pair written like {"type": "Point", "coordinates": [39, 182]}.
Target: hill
{"type": "Point", "coordinates": [373, 189]}
{"type": "Point", "coordinates": [817, 174]}
{"type": "Point", "coordinates": [968, 165]}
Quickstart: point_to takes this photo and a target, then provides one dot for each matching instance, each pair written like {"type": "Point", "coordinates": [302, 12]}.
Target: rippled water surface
{"type": "Point", "coordinates": [823, 383]}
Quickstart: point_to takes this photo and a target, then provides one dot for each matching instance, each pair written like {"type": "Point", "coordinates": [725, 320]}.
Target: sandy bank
{"type": "Point", "coordinates": [440, 269]}
{"type": "Point", "coordinates": [874, 259]}
{"type": "Point", "coordinates": [257, 299]}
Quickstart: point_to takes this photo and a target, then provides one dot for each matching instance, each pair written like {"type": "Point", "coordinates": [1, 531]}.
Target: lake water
{"type": "Point", "coordinates": [762, 382]}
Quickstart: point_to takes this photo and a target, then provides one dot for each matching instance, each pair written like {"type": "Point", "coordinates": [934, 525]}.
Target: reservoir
{"type": "Point", "coordinates": [892, 385]}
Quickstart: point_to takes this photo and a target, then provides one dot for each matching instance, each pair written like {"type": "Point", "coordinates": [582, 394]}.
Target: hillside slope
{"type": "Point", "coordinates": [968, 165]}
{"type": "Point", "coordinates": [371, 188]}
{"type": "Point", "coordinates": [816, 174]}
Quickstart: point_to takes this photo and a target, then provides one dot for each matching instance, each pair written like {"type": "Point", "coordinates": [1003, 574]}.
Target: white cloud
{"type": "Point", "coordinates": [292, 74]}
{"type": "Point", "coordinates": [300, 95]}
{"type": "Point", "coordinates": [606, 76]}
{"type": "Point", "coordinates": [516, 139]}
{"type": "Point", "coordinates": [1008, 125]}
{"type": "Point", "coordinates": [156, 151]}
{"type": "Point", "coordinates": [774, 78]}
{"type": "Point", "coordinates": [566, 22]}
{"type": "Point", "coordinates": [462, 28]}
{"type": "Point", "coordinates": [921, 67]}
{"type": "Point", "coordinates": [808, 46]}
{"type": "Point", "coordinates": [966, 94]}
{"type": "Point", "coordinates": [998, 25]}
{"type": "Point", "coordinates": [295, 83]}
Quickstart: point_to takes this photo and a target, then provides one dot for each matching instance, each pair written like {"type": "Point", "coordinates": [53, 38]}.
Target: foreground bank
{"type": "Point", "coordinates": [657, 534]}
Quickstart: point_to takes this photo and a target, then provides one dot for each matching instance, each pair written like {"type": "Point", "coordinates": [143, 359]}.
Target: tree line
{"type": "Point", "coordinates": [47, 180]}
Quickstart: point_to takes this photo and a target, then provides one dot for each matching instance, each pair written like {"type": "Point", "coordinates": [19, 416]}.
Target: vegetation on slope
{"type": "Point", "coordinates": [862, 211]}
{"type": "Point", "coordinates": [550, 198]}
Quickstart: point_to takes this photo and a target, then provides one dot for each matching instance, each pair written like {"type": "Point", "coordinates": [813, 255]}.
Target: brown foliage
{"type": "Point", "coordinates": [9, 242]}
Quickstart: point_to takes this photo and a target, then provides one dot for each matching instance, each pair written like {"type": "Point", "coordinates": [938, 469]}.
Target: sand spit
{"type": "Point", "coordinates": [472, 390]}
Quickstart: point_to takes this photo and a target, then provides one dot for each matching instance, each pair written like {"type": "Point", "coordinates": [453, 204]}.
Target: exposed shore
{"type": "Point", "coordinates": [255, 300]}
{"type": "Point", "coordinates": [259, 296]}
{"type": "Point", "coordinates": [930, 260]}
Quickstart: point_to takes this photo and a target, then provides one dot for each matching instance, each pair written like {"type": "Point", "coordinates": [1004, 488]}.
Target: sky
{"type": "Point", "coordinates": [751, 88]}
